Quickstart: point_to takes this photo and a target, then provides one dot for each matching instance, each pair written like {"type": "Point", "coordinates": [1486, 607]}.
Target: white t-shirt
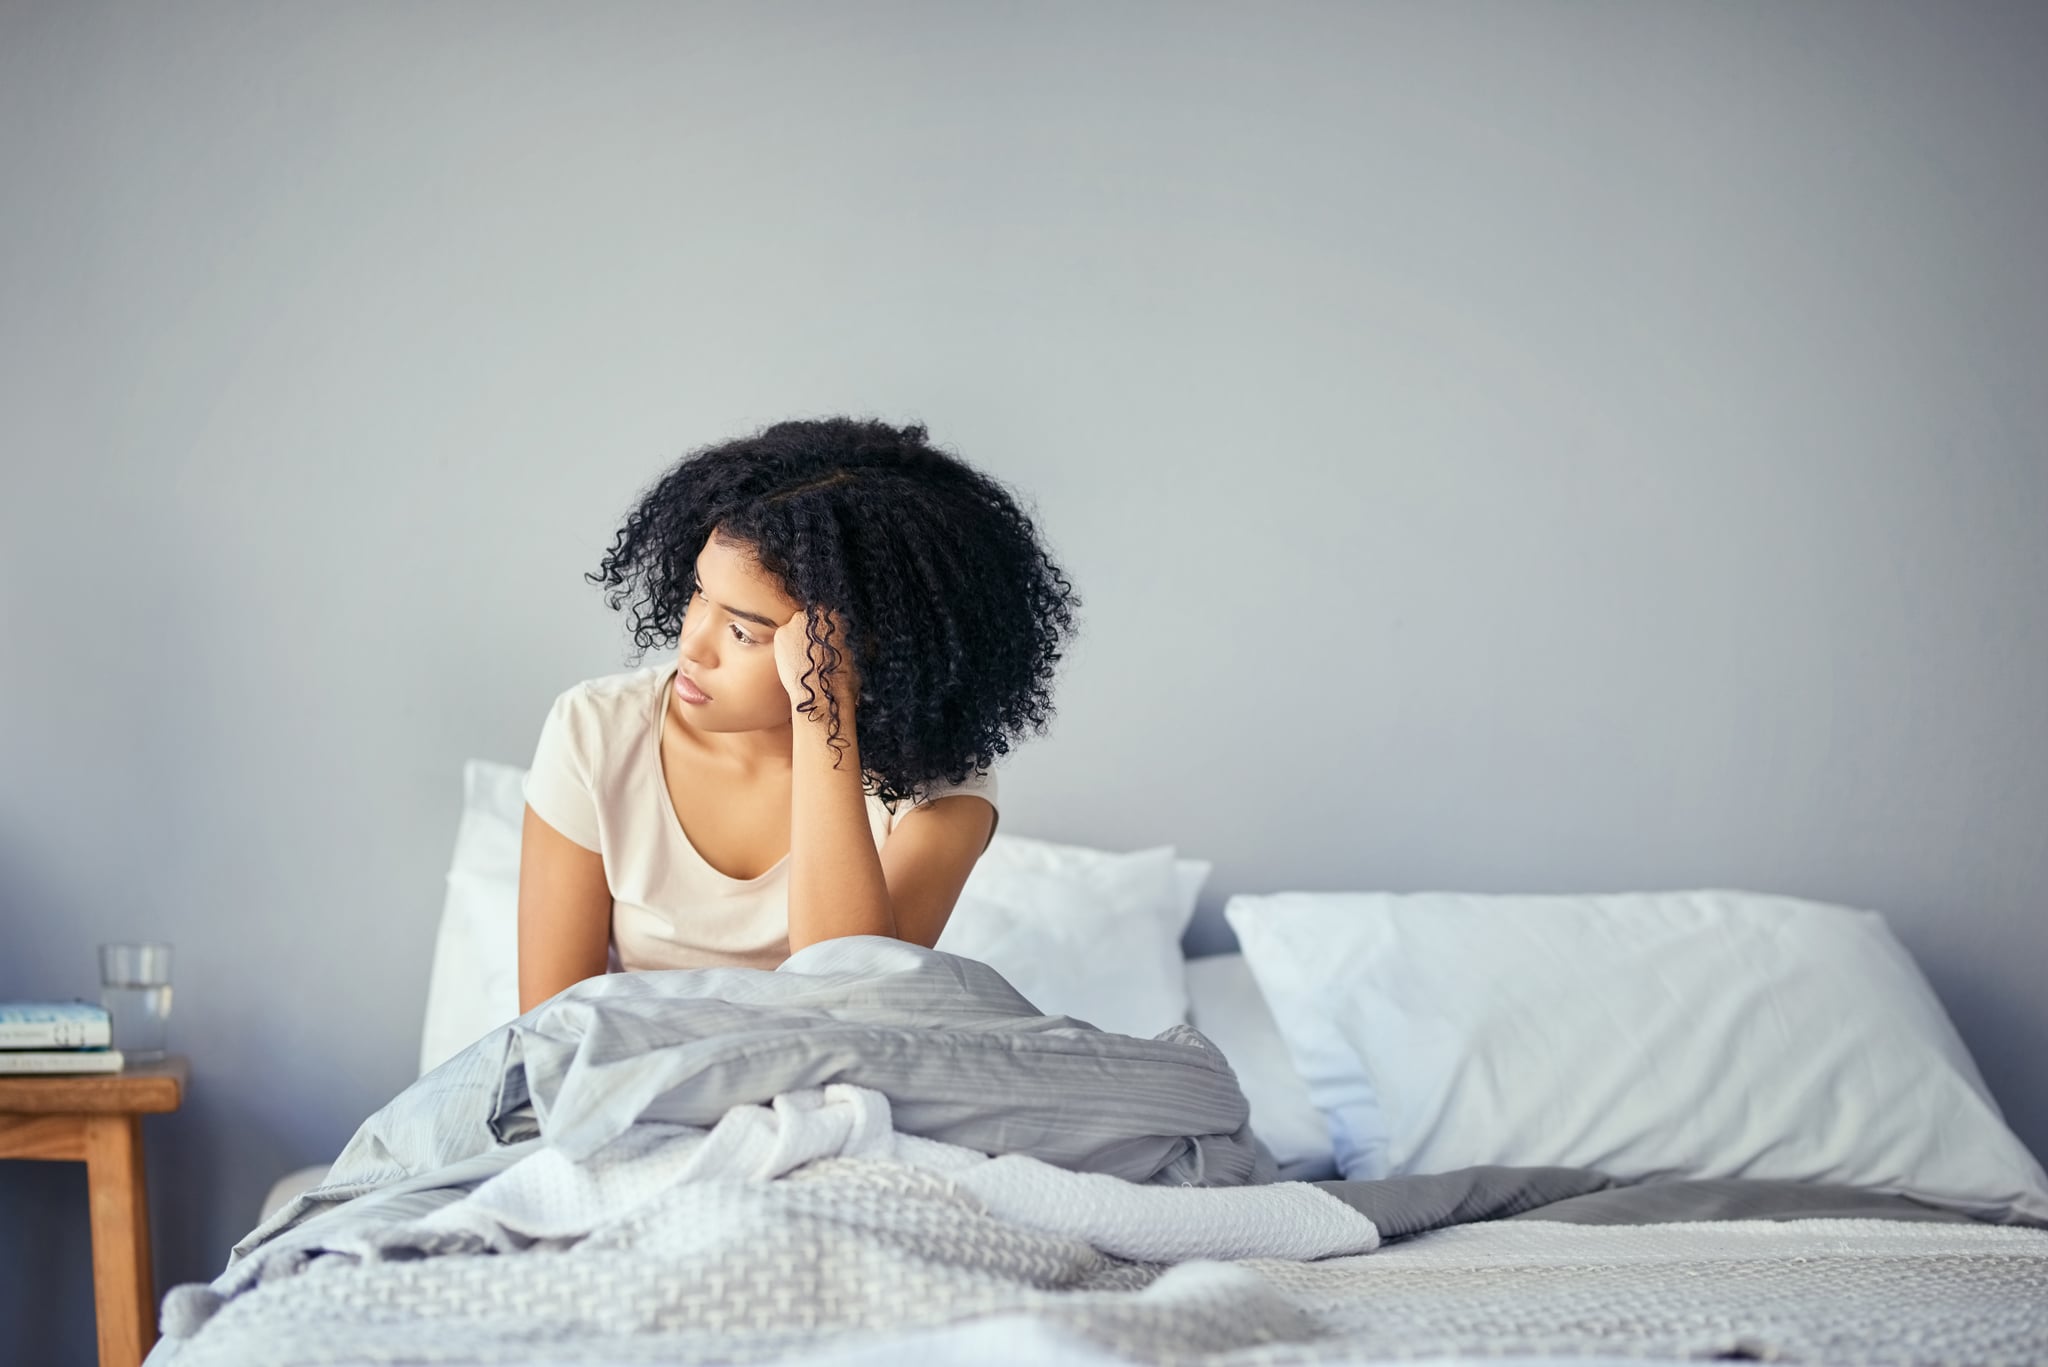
{"type": "Point", "coordinates": [596, 777]}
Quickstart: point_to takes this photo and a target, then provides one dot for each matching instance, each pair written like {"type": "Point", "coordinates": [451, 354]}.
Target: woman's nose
{"type": "Point", "coordinates": [693, 638]}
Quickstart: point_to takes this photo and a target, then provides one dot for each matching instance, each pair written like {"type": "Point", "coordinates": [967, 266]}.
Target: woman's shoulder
{"type": "Point", "coordinates": [595, 709]}
{"type": "Point", "coordinates": [586, 747]}
{"type": "Point", "coordinates": [627, 687]}
{"type": "Point", "coordinates": [979, 785]}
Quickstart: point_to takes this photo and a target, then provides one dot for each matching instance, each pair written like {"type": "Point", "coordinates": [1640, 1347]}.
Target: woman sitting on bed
{"type": "Point", "coordinates": [862, 623]}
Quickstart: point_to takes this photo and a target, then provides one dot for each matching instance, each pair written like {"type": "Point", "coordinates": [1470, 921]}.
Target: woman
{"type": "Point", "coordinates": [862, 622]}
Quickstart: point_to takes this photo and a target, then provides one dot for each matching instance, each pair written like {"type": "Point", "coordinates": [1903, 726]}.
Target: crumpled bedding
{"type": "Point", "coordinates": [537, 1196]}
{"type": "Point", "coordinates": [953, 1056]}
{"type": "Point", "coordinates": [961, 1056]}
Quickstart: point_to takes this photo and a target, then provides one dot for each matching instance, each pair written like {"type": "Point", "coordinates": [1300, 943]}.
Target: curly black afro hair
{"type": "Point", "coordinates": [956, 615]}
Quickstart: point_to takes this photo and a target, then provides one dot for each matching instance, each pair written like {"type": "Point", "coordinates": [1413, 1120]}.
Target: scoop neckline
{"type": "Point", "coordinates": [666, 687]}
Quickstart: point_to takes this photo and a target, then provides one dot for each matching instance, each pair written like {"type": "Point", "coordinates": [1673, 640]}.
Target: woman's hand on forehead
{"type": "Point", "coordinates": [793, 659]}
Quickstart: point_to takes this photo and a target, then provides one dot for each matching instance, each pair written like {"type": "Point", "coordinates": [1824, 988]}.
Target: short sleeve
{"type": "Point", "coordinates": [977, 785]}
{"type": "Point", "coordinates": [558, 784]}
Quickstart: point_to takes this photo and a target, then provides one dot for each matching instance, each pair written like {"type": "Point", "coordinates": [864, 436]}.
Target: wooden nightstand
{"type": "Point", "coordinates": [96, 1119]}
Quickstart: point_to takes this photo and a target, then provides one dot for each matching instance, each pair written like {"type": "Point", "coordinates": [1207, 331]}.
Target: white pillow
{"type": "Point", "coordinates": [1082, 932]}
{"type": "Point", "coordinates": [1706, 1034]}
{"type": "Point", "coordinates": [474, 986]}
{"type": "Point", "coordinates": [1225, 1005]}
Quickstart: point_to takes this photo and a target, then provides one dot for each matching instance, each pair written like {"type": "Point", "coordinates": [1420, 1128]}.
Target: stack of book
{"type": "Point", "coordinates": [57, 1037]}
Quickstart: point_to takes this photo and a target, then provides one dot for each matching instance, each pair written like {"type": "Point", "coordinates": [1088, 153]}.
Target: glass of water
{"type": "Point", "coordinates": [135, 987]}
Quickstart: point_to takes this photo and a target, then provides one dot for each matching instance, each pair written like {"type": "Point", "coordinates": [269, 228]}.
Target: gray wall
{"type": "Point", "coordinates": [1528, 446]}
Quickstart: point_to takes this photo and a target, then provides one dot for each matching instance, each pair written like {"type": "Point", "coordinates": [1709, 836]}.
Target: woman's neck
{"type": "Point", "coordinates": [746, 755]}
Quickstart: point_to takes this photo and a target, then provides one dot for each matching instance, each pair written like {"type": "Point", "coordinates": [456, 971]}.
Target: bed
{"type": "Point", "coordinates": [1722, 1126]}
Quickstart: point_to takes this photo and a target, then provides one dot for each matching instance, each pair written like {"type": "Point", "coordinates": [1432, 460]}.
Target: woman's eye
{"type": "Point", "coordinates": [743, 635]}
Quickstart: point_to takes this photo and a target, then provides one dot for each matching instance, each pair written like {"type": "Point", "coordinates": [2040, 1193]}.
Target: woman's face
{"type": "Point", "coordinates": [727, 646]}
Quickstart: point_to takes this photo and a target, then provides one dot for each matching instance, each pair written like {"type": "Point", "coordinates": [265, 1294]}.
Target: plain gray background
{"type": "Point", "coordinates": [1504, 447]}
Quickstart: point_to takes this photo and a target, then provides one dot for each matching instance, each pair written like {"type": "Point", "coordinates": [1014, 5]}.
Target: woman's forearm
{"type": "Point", "coordinates": [835, 873]}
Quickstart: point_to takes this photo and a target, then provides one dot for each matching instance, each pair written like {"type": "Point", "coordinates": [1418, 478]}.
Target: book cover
{"type": "Point", "coordinates": [55, 1025]}
{"type": "Point", "coordinates": [61, 1061]}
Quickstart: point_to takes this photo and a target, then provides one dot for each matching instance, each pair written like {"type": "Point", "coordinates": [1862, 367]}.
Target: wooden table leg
{"type": "Point", "coordinates": [122, 1290]}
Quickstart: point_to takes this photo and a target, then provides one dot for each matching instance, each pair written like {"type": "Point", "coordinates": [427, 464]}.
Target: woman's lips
{"type": "Point", "coordinates": [688, 691]}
